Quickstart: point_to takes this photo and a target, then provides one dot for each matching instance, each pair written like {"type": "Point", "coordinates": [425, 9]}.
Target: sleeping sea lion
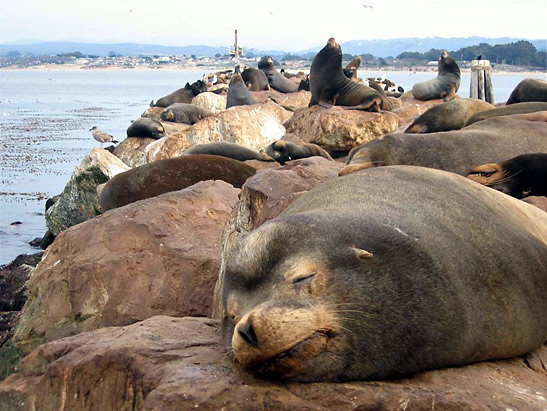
{"type": "Point", "coordinates": [529, 89]}
{"type": "Point", "coordinates": [146, 128]}
{"type": "Point", "coordinates": [225, 149]}
{"type": "Point", "coordinates": [182, 95]}
{"type": "Point", "coordinates": [185, 113]}
{"type": "Point", "coordinates": [517, 108]}
{"type": "Point", "coordinates": [277, 81]}
{"type": "Point", "coordinates": [385, 273]}
{"type": "Point", "coordinates": [282, 151]}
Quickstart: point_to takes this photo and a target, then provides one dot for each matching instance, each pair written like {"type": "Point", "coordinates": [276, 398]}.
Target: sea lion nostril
{"type": "Point", "coordinates": [247, 332]}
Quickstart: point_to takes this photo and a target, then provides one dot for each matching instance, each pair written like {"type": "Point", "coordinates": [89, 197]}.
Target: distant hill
{"type": "Point", "coordinates": [379, 48]}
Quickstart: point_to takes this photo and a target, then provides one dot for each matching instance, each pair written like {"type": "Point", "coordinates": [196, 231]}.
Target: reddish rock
{"type": "Point", "coordinates": [155, 256]}
{"type": "Point", "coordinates": [131, 150]}
{"type": "Point", "coordinates": [153, 113]}
{"type": "Point", "coordinates": [210, 101]}
{"type": "Point", "coordinates": [290, 101]}
{"type": "Point", "coordinates": [167, 363]}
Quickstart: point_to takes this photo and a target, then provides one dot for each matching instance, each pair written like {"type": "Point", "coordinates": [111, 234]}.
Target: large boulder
{"type": "Point", "coordinates": [210, 101]}
{"type": "Point", "coordinates": [290, 101]}
{"type": "Point", "coordinates": [131, 151]}
{"type": "Point", "coordinates": [155, 256]}
{"type": "Point", "coordinates": [79, 201]}
{"type": "Point", "coordinates": [166, 363]}
{"type": "Point", "coordinates": [265, 195]}
{"type": "Point", "coordinates": [253, 127]}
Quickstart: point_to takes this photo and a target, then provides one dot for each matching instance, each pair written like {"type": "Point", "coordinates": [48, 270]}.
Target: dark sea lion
{"type": "Point", "coordinates": [350, 71]}
{"type": "Point", "coordinates": [185, 113]}
{"type": "Point", "coordinates": [329, 86]}
{"type": "Point", "coordinates": [147, 128]}
{"type": "Point", "coordinates": [529, 89]}
{"type": "Point", "coordinates": [255, 79]}
{"type": "Point", "coordinates": [277, 81]}
{"type": "Point", "coordinates": [445, 85]}
{"type": "Point", "coordinates": [517, 108]}
{"type": "Point", "coordinates": [282, 151]}
{"type": "Point", "coordinates": [238, 93]}
{"type": "Point", "coordinates": [458, 151]}
{"type": "Point", "coordinates": [225, 149]}
{"type": "Point", "coordinates": [519, 177]}
{"type": "Point", "coordinates": [182, 95]}
{"type": "Point", "coordinates": [385, 273]}
{"type": "Point", "coordinates": [450, 115]}
{"type": "Point", "coordinates": [304, 83]}
{"type": "Point", "coordinates": [171, 174]}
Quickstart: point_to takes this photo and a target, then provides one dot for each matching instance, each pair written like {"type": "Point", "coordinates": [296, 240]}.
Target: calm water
{"type": "Point", "coordinates": [44, 131]}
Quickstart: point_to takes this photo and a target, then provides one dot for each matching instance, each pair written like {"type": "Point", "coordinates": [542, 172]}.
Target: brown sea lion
{"type": "Point", "coordinates": [255, 79]}
{"type": "Point", "coordinates": [444, 86]}
{"type": "Point", "coordinates": [182, 95]}
{"type": "Point", "coordinates": [385, 273]}
{"type": "Point", "coordinates": [282, 151]}
{"type": "Point", "coordinates": [350, 71]}
{"type": "Point", "coordinates": [238, 93]}
{"type": "Point", "coordinates": [171, 174]}
{"type": "Point", "coordinates": [458, 151]}
{"type": "Point", "coordinates": [529, 89]}
{"type": "Point", "coordinates": [517, 108]}
{"type": "Point", "coordinates": [277, 81]}
{"type": "Point", "coordinates": [146, 128]}
{"type": "Point", "coordinates": [226, 149]}
{"type": "Point", "coordinates": [329, 86]}
{"type": "Point", "coordinates": [519, 177]}
{"type": "Point", "coordinates": [450, 115]}
{"type": "Point", "coordinates": [185, 113]}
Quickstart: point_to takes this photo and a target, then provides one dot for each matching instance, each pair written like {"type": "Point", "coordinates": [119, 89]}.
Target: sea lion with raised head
{"type": "Point", "coordinates": [519, 177]}
{"type": "Point", "coordinates": [283, 151]}
{"type": "Point", "coordinates": [238, 93]}
{"type": "Point", "coordinates": [255, 79]}
{"type": "Point", "coordinates": [277, 81]}
{"type": "Point", "coordinates": [445, 85]}
{"type": "Point", "coordinates": [185, 113]}
{"type": "Point", "coordinates": [182, 95]}
{"type": "Point", "coordinates": [386, 273]}
{"type": "Point", "coordinates": [330, 87]}
{"type": "Point", "coordinates": [529, 89]}
{"type": "Point", "coordinates": [171, 174]}
{"type": "Point", "coordinates": [517, 108]}
{"type": "Point", "coordinates": [458, 151]}
{"type": "Point", "coordinates": [450, 115]}
{"type": "Point", "coordinates": [146, 128]}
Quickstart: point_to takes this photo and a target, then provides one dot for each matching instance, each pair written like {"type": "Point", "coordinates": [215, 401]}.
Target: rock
{"type": "Point", "coordinates": [131, 150]}
{"type": "Point", "coordinates": [219, 88]}
{"type": "Point", "coordinates": [210, 101]}
{"type": "Point", "coordinates": [79, 202]}
{"type": "Point", "coordinates": [13, 294]}
{"type": "Point", "coordinates": [174, 128]}
{"type": "Point", "coordinates": [253, 126]}
{"type": "Point", "coordinates": [336, 129]}
{"type": "Point", "coordinates": [265, 195]}
{"type": "Point", "coordinates": [538, 201]}
{"type": "Point", "coordinates": [153, 113]}
{"type": "Point", "coordinates": [290, 101]}
{"type": "Point", "coordinates": [167, 363]}
{"type": "Point", "coordinates": [155, 256]}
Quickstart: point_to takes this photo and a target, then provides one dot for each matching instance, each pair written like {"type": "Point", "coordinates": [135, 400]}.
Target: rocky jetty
{"type": "Point", "coordinates": [122, 310]}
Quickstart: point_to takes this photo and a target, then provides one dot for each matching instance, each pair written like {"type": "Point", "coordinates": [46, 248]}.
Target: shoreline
{"type": "Point", "coordinates": [419, 69]}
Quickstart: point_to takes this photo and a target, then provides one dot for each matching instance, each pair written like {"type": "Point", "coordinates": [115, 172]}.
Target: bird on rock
{"type": "Point", "coordinates": [101, 136]}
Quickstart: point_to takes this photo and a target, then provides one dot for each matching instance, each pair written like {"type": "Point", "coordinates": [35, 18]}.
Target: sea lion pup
{"type": "Point", "coordinates": [182, 95]}
{"type": "Point", "coordinates": [185, 113]}
{"type": "Point", "coordinates": [529, 89]}
{"type": "Point", "coordinates": [146, 128]}
{"type": "Point", "coordinates": [282, 151]}
{"type": "Point", "coordinates": [238, 93]}
{"type": "Point", "coordinates": [444, 86]}
{"type": "Point", "coordinates": [450, 115]}
{"type": "Point", "coordinates": [255, 79]}
{"type": "Point", "coordinates": [277, 81]}
{"type": "Point", "coordinates": [373, 276]}
{"type": "Point", "coordinates": [351, 68]}
{"type": "Point", "coordinates": [329, 86]}
{"type": "Point", "coordinates": [458, 151]}
{"type": "Point", "coordinates": [517, 108]}
{"type": "Point", "coordinates": [171, 174]}
{"type": "Point", "coordinates": [520, 176]}
{"type": "Point", "coordinates": [226, 149]}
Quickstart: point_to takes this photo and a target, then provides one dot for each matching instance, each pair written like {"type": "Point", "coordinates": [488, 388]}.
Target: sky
{"type": "Point", "coordinates": [278, 24]}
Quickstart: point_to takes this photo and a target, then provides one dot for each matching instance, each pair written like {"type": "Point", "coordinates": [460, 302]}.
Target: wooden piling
{"type": "Point", "coordinates": [481, 86]}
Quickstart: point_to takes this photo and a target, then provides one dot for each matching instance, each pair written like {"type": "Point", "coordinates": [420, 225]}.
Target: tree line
{"type": "Point", "coordinates": [521, 53]}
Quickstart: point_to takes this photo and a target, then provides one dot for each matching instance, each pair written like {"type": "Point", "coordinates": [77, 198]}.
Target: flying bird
{"type": "Point", "coordinates": [101, 136]}
{"type": "Point", "coordinates": [366, 6]}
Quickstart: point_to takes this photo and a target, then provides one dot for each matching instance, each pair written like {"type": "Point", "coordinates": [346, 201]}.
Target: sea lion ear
{"type": "Point", "coordinates": [362, 254]}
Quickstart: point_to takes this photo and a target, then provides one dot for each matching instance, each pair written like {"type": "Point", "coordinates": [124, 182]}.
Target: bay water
{"type": "Point", "coordinates": [45, 117]}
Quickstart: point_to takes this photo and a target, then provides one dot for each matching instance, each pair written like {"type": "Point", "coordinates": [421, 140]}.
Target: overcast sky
{"type": "Point", "coordinates": [275, 24]}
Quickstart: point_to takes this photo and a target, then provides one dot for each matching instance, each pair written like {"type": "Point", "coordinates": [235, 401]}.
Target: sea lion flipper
{"type": "Point", "coordinates": [324, 104]}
